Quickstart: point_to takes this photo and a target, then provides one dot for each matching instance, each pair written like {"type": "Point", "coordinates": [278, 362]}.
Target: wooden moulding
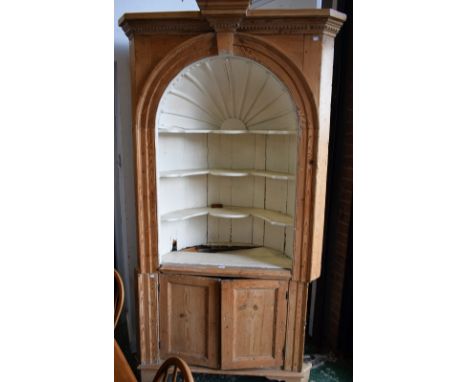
{"type": "Point", "coordinates": [200, 270]}
{"type": "Point", "coordinates": [225, 40]}
{"type": "Point", "coordinates": [297, 21]}
{"type": "Point", "coordinates": [188, 52]}
{"type": "Point", "coordinates": [148, 373]}
{"type": "Point", "coordinates": [296, 323]}
{"type": "Point", "coordinates": [267, 55]}
{"type": "Point", "coordinates": [148, 317]}
{"type": "Point", "coordinates": [144, 138]}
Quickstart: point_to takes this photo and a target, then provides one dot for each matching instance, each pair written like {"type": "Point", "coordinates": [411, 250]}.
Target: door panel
{"type": "Point", "coordinates": [190, 319]}
{"type": "Point", "coordinates": [253, 314]}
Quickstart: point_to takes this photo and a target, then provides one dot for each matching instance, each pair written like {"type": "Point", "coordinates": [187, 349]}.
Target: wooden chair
{"type": "Point", "coordinates": [119, 296]}
{"type": "Point", "coordinates": [178, 365]}
{"type": "Point", "coordinates": [122, 370]}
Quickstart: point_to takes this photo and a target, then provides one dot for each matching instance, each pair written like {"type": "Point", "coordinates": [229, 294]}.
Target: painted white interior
{"type": "Point", "coordinates": [227, 133]}
{"type": "Point", "coordinates": [260, 257]}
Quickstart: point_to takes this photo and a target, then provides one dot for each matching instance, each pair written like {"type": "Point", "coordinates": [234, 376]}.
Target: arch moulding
{"type": "Point", "coordinates": [195, 49]}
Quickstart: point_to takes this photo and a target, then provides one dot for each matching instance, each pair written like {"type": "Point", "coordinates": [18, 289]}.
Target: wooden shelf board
{"type": "Point", "coordinates": [230, 212]}
{"type": "Point", "coordinates": [213, 271]}
{"type": "Point", "coordinates": [227, 173]}
{"type": "Point", "coordinates": [261, 258]}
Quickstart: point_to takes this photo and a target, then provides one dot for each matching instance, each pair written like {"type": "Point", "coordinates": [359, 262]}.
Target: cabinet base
{"type": "Point", "coordinates": [148, 372]}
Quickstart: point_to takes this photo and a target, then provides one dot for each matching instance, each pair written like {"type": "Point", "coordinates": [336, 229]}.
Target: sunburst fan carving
{"type": "Point", "coordinates": [226, 93]}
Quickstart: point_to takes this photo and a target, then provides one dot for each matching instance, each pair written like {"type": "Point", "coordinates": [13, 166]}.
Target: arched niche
{"type": "Point", "coordinates": [197, 49]}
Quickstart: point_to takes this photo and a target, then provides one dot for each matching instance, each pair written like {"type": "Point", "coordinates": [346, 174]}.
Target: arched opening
{"type": "Point", "coordinates": [247, 49]}
{"type": "Point", "coordinates": [226, 141]}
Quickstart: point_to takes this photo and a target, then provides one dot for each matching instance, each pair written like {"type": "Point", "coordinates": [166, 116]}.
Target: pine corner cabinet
{"type": "Point", "coordinates": [231, 111]}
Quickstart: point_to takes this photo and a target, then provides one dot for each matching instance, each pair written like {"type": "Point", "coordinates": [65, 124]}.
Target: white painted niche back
{"type": "Point", "coordinates": [227, 133]}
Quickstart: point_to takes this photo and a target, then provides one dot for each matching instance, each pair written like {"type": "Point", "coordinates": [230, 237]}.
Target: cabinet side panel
{"type": "Point", "coordinates": [296, 322]}
{"type": "Point", "coordinates": [148, 317]}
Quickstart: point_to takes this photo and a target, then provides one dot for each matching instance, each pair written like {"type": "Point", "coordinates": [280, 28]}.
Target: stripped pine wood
{"type": "Point", "coordinates": [296, 323]}
{"type": "Point", "coordinates": [149, 372]}
{"type": "Point", "coordinates": [253, 323]}
{"type": "Point", "coordinates": [231, 271]}
{"type": "Point", "coordinates": [189, 319]}
{"type": "Point", "coordinates": [148, 317]}
{"type": "Point", "coordinates": [261, 107]}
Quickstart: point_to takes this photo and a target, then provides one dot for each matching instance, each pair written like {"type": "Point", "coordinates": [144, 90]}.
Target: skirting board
{"type": "Point", "coordinates": [148, 373]}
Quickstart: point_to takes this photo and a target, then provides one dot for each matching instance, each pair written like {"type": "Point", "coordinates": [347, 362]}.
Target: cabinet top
{"type": "Point", "coordinates": [259, 21]}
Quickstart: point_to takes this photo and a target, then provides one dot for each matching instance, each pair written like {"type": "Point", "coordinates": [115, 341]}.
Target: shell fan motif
{"type": "Point", "coordinates": [226, 93]}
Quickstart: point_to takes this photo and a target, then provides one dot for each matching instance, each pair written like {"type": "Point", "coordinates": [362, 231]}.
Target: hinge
{"type": "Point", "coordinates": [159, 344]}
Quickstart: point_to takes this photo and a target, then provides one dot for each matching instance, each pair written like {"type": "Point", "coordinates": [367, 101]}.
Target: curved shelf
{"type": "Point", "coordinates": [229, 212]}
{"type": "Point", "coordinates": [226, 172]}
{"type": "Point", "coordinates": [180, 130]}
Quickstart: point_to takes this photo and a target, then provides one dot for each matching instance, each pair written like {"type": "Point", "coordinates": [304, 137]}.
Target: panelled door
{"type": "Point", "coordinates": [253, 323]}
{"type": "Point", "coordinates": [252, 316]}
{"type": "Point", "coordinates": [189, 314]}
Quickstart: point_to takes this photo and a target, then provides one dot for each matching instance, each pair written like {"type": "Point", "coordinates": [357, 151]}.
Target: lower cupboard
{"type": "Point", "coordinates": [223, 323]}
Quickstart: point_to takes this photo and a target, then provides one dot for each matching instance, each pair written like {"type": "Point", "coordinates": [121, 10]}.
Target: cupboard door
{"type": "Point", "coordinates": [189, 314]}
{"type": "Point", "coordinates": [253, 326]}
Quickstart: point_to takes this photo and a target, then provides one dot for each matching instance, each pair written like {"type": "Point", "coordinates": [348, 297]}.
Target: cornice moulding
{"type": "Point", "coordinates": [297, 21]}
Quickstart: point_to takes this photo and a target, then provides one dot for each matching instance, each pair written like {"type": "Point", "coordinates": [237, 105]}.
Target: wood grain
{"type": "Point", "coordinates": [253, 323]}
{"type": "Point", "coordinates": [239, 272]}
{"type": "Point", "coordinates": [297, 46]}
{"type": "Point", "coordinates": [148, 373]}
{"type": "Point", "coordinates": [190, 319]}
{"type": "Point", "coordinates": [296, 322]}
{"type": "Point", "coordinates": [148, 317]}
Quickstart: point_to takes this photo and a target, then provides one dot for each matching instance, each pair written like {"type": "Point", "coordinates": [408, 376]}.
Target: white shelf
{"type": "Point", "coordinates": [226, 172]}
{"type": "Point", "coordinates": [229, 212]}
{"type": "Point", "coordinates": [261, 257]}
{"type": "Point", "coordinates": [180, 130]}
